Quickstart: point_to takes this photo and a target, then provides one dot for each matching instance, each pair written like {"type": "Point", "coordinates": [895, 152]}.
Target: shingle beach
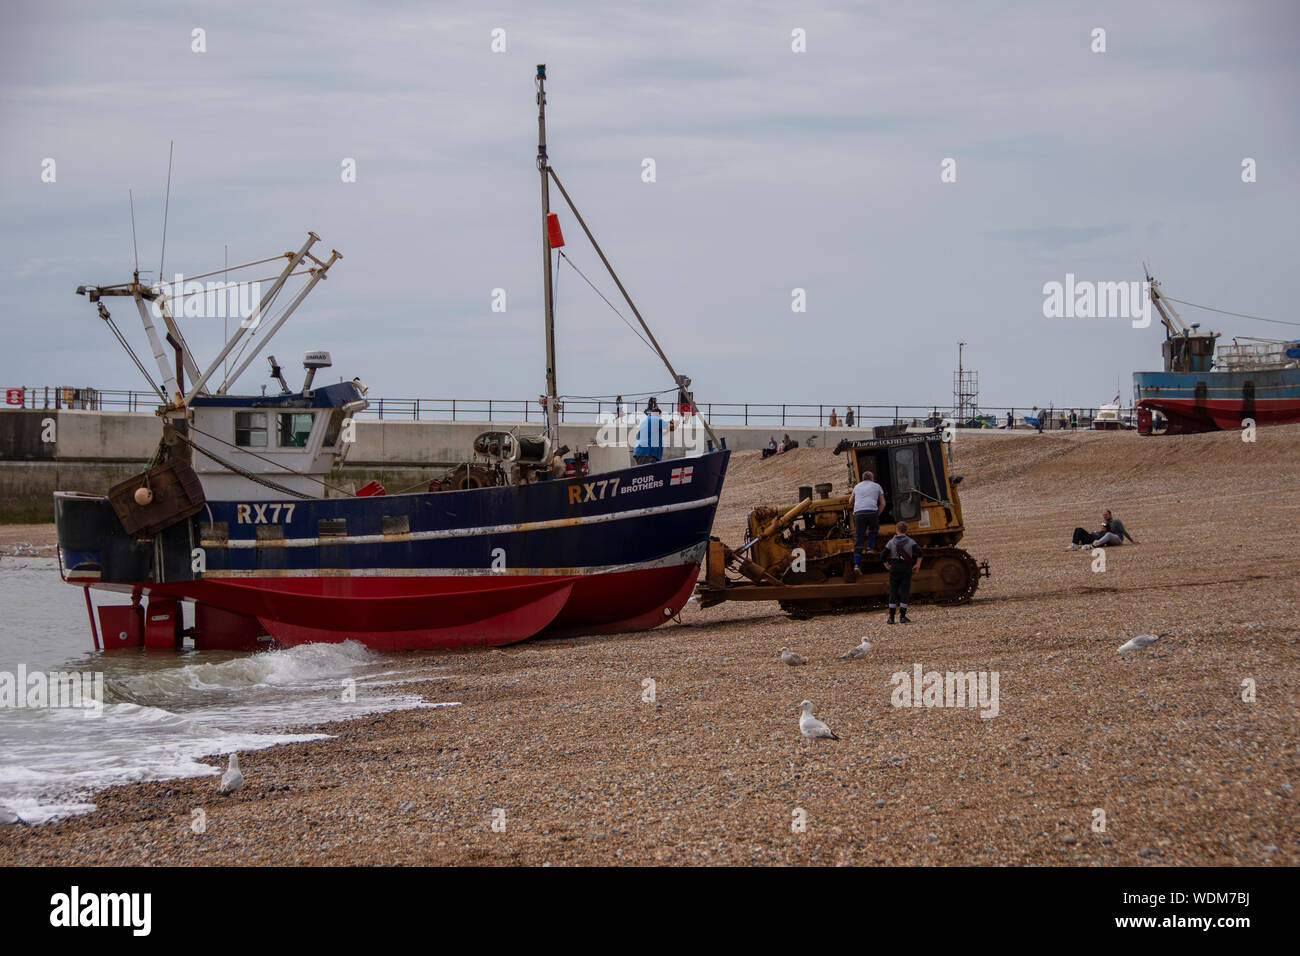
{"type": "Point", "coordinates": [681, 745]}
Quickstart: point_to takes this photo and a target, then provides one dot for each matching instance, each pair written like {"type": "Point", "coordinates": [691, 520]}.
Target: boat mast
{"type": "Point", "coordinates": [544, 167]}
{"type": "Point", "coordinates": [552, 399]}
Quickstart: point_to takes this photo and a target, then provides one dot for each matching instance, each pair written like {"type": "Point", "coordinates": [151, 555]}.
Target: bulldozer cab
{"type": "Point", "coordinates": [913, 470]}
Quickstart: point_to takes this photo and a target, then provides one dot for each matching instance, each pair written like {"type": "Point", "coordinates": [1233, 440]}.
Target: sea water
{"type": "Point", "coordinates": [161, 710]}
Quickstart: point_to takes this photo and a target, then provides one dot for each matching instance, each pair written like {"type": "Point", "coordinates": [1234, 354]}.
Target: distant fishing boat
{"type": "Point", "coordinates": [1199, 391]}
{"type": "Point", "coordinates": [235, 513]}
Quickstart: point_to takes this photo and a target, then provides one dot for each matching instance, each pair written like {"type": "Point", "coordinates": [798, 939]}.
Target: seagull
{"type": "Point", "coordinates": [1143, 640]}
{"type": "Point", "coordinates": [810, 726]}
{"type": "Point", "coordinates": [232, 779]}
{"type": "Point", "coordinates": [790, 657]}
{"type": "Point", "coordinates": [8, 818]}
{"type": "Point", "coordinates": [859, 651]}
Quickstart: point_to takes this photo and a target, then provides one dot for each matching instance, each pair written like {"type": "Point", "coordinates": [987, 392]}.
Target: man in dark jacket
{"type": "Point", "coordinates": [903, 556]}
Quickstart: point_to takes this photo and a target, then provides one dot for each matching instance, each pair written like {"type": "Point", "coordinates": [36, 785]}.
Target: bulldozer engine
{"type": "Point", "coordinates": [802, 554]}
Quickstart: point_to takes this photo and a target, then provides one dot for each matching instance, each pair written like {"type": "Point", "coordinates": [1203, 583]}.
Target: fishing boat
{"type": "Point", "coordinates": [1252, 381]}
{"type": "Point", "coordinates": [237, 515]}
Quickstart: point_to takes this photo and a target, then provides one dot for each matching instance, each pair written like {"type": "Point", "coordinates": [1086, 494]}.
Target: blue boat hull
{"type": "Point", "coordinates": [617, 551]}
{"type": "Point", "coordinates": [1210, 401]}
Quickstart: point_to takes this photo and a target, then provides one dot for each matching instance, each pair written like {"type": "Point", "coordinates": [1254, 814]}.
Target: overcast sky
{"type": "Point", "coordinates": [774, 170]}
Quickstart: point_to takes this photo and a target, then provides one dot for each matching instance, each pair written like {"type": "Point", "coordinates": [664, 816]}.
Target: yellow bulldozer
{"type": "Point", "coordinates": [802, 555]}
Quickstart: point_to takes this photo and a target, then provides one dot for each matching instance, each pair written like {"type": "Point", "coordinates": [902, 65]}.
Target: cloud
{"type": "Point", "coordinates": [775, 170]}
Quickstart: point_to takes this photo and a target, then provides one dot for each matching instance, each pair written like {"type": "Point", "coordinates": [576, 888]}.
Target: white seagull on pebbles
{"type": "Point", "coordinates": [1142, 640]}
{"type": "Point", "coordinates": [859, 651]}
{"type": "Point", "coordinates": [232, 779]}
{"type": "Point", "coordinates": [790, 657]}
{"type": "Point", "coordinates": [810, 726]}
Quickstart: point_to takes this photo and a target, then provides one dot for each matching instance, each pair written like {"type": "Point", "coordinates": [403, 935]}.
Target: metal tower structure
{"type": "Point", "coordinates": [965, 390]}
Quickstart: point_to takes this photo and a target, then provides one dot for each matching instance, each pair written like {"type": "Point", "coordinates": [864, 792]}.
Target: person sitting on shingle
{"type": "Point", "coordinates": [1112, 533]}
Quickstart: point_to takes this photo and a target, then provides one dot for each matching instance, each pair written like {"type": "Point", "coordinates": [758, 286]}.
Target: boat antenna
{"type": "Point", "coordinates": [135, 246]}
{"type": "Point", "coordinates": [225, 319]}
{"type": "Point", "coordinates": [552, 397]}
{"type": "Point", "coordinates": [166, 205]}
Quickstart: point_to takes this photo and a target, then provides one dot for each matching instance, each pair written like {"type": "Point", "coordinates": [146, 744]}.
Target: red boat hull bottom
{"type": "Point", "coordinates": [516, 624]}
{"type": "Point", "coordinates": [407, 612]}
{"type": "Point", "coordinates": [1189, 416]}
{"type": "Point", "coordinates": [625, 601]}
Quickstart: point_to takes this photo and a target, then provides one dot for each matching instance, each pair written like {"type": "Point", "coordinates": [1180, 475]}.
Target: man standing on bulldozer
{"type": "Point", "coordinates": [868, 503]}
{"type": "Point", "coordinates": [903, 555]}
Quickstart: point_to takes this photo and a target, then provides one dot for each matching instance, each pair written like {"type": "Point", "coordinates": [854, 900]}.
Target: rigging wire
{"type": "Point", "coordinates": [134, 245]}
{"type": "Point", "coordinates": [1239, 315]}
{"type": "Point", "coordinates": [625, 395]}
{"type": "Point", "coordinates": [167, 203]}
{"type": "Point", "coordinates": [126, 346]}
{"type": "Point", "coordinates": [223, 285]}
{"type": "Point", "coordinates": [607, 302]}
{"type": "Point", "coordinates": [267, 320]}
{"type": "Point", "coordinates": [556, 295]}
{"type": "Point", "coordinates": [243, 473]}
{"type": "Point", "coordinates": [299, 474]}
{"type": "Point", "coordinates": [246, 265]}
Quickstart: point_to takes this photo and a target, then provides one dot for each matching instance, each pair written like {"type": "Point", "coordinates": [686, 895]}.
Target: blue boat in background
{"type": "Point", "coordinates": [1203, 389]}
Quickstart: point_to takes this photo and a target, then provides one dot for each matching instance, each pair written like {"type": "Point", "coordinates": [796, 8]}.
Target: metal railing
{"type": "Point", "coordinates": [781, 417]}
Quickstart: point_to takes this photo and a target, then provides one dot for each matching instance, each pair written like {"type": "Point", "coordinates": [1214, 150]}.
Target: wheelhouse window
{"type": "Point", "coordinates": [250, 429]}
{"type": "Point", "coordinates": [334, 427]}
{"type": "Point", "coordinates": [294, 429]}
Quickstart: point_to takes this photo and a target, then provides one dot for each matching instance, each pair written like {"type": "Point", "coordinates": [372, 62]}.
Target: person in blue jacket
{"type": "Point", "coordinates": [649, 438]}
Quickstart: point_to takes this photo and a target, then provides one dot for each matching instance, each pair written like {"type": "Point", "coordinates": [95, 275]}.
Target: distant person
{"type": "Point", "coordinates": [770, 450]}
{"type": "Point", "coordinates": [1011, 419]}
{"type": "Point", "coordinates": [848, 418]}
{"type": "Point", "coordinates": [903, 556]}
{"type": "Point", "coordinates": [620, 407]}
{"type": "Point", "coordinates": [649, 439]}
{"type": "Point", "coordinates": [1112, 534]}
{"type": "Point", "coordinates": [835, 419]}
{"type": "Point", "coordinates": [1074, 420]}
{"type": "Point", "coordinates": [1038, 422]}
{"type": "Point", "coordinates": [868, 503]}
{"type": "Point", "coordinates": [1061, 422]}
{"type": "Point", "coordinates": [786, 444]}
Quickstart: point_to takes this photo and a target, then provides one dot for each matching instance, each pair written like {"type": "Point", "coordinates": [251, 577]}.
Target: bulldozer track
{"type": "Point", "coordinates": [958, 571]}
